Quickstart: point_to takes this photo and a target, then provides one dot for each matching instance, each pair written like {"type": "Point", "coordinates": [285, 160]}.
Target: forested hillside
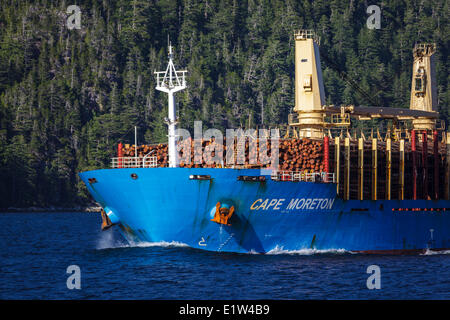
{"type": "Point", "coordinates": [67, 97]}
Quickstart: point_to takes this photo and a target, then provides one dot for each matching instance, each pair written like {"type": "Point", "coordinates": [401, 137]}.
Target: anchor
{"type": "Point", "coordinates": [106, 223]}
{"type": "Point", "coordinates": [223, 214]}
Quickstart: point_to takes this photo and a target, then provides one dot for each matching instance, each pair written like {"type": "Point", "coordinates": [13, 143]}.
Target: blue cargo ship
{"type": "Point", "coordinates": [167, 204]}
{"type": "Point", "coordinates": [257, 210]}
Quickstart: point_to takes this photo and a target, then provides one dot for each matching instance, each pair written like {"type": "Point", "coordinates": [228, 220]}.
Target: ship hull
{"type": "Point", "coordinates": [164, 204]}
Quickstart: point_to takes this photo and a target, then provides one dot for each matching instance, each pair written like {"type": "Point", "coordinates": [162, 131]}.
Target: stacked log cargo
{"type": "Point", "coordinates": [160, 151]}
{"type": "Point", "coordinates": [306, 155]}
{"type": "Point", "coordinates": [425, 170]}
{"type": "Point", "coordinates": [294, 154]}
{"type": "Point", "coordinates": [301, 155]}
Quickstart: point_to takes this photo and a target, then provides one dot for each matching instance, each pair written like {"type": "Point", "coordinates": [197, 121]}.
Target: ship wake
{"type": "Point", "coordinates": [164, 244]}
{"type": "Point", "coordinates": [279, 250]}
{"type": "Point", "coordinates": [429, 252]}
{"type": "Point", "coordinates": [108, 241]}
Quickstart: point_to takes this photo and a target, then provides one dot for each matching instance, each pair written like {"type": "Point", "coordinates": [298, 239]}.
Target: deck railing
{"type": "Point", "coordinates": [134, 162]}
{"type": "Point", "coordinates": [297, 176]}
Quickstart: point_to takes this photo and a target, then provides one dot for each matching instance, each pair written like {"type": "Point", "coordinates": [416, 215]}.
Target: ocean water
{"type": "Point", "coordinates": [37, 248]}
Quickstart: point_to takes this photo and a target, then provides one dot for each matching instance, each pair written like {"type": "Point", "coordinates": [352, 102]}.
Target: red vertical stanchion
{"type": "Point", "coordinates": [425, 163]}
{"type": "Point", "coordinates": [120, 154]}
{"type": "Point", "coordinates": [414, 167]}
{"type": "Point", "coordinates": [436, 164]}
{"type": "Point", "coordinates": [326, 156]}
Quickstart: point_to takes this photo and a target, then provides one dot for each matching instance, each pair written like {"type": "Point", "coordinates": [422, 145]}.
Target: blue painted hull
{"type": "Point", "coordinates": [163, 204]}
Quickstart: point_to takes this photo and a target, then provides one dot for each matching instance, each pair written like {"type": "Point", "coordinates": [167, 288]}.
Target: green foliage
{"type": "Point", "coordinates": [67, 97]}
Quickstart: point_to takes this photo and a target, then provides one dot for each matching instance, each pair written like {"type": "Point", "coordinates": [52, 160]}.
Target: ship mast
{"type": "Point", "coordinates": [171, 81]}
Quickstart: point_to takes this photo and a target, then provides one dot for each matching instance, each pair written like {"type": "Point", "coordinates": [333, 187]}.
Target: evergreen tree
{"type": "Point", "coordinates": [67, 97]}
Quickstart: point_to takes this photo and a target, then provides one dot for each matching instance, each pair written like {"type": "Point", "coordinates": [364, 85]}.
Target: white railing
{"type": "Point", "coordinates": [174, 79]}
{"type": "Point", "coordinates": [297, 176]}
{"type": "Point", "coordinates": [134, 162]}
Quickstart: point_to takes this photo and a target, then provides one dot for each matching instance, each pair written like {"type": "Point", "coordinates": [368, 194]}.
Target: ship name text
{"type": "Point", "coordinates": [293, 204]}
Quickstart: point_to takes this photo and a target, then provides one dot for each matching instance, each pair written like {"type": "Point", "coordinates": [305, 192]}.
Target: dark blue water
{"type": "Point", "coordinates": [37, 248]}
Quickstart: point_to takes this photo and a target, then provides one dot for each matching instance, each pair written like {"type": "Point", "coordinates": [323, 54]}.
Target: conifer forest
{"type": "Point", "coordinates": [68, 96]}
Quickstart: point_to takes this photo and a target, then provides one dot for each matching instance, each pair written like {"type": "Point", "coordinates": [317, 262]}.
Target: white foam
{"type": "Point", "coordinates": [429, 252]}
{"type": "Point", "coordinates": [164, 244]}
{"type": "Point", "coordinates": [306, 252]}
{"type": "Point", "coordinates": [107, 241]}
